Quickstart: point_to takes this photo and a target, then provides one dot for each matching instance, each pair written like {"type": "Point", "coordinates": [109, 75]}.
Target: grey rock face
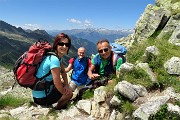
{"type": "Point", "coordinates": [149, 22]}
{"type": "Point", "coordinates": [172, 66]}
{"type": "Point", "coordinates": [175, 37]}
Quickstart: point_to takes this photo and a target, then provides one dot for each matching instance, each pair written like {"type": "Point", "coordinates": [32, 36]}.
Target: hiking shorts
{"type": "Point", "coordinates": [73, 86]}
{"type": "Point", "coordinates": [52, 98]}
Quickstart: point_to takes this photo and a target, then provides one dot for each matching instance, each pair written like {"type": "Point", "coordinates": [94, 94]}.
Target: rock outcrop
{"type": "Point", "coordinates": [163, 18]}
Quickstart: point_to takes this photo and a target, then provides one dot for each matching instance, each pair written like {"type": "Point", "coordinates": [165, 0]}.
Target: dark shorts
{"type": "Point", "coordinates": [52, 98]}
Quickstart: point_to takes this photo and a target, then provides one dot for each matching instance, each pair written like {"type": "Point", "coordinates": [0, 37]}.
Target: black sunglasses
{"type": "Point", "coordinates": [105, 50]}
{"type": "Point", "coordinates": [62, 44]}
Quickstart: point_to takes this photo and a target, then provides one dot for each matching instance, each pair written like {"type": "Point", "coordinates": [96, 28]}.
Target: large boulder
{"type": "Point", "coordinates": [175, 38]}
{"type": "Point", "coordinates": [171, 25]}
{"type": "Point", "coordinates": [152, 19]}
{"type": "Point", "coordinates": [172, 66]}
{"type": "Point", "coordinates": [169, 5]}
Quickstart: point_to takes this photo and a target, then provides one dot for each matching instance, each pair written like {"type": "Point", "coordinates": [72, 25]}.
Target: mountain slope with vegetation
{"type": "Point", "coordinates": [79, 42]}
{"type": "Point", "coordinates": [158, 29]}
{"type": "Point", "coordinates": [15, 41]}
{"type": "Point", "coordinates": [10, 50]}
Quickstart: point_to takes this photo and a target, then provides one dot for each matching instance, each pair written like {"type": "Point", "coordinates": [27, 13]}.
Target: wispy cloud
{"type": "Point", "coordinates": [74, 21]}
{"type": "Point", "coordinates": [85, 23]}
{"type": "Point", "coordinates": [30, 26]}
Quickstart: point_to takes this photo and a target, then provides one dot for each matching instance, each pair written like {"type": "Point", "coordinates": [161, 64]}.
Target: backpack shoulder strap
{"type": "Point", "coordinates": [45, 75]}
{"type": "Point", "coordinates": [97, 59]}
{"type": "Point", "coordinates": [97, 62]}
{"type": "Point", "coordinates": [115, 57]}
{"type": "Point", "coordinates": [47, 54]}
{"type": "Point", "coordinates": [87, 63]}
{"type": "Point", "coordinates": [52, 53]}
{"type": "Point", "coordinates": [74, 58]}
{"type": "Point", "coordinates": [87, 60]}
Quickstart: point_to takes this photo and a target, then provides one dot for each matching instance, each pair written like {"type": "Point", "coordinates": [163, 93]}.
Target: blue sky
{"type": "Point", "coordinates": [72, 14]}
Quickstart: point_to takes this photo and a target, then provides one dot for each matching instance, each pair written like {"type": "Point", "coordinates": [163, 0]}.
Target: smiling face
{"type": "Point", "coordinates": [60, 42]}
{"type": "Point", "coordinates": [62, 47]}
{"type": "Point", "coordinates": [104, 49]}
{"type": "Point", "coordinates": [81, 52]}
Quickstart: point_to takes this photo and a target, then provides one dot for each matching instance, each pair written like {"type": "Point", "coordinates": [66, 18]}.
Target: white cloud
{"type": "Point", "coordinates": [85, 23]}
{"type": "Point", "coordinates": [30, 26]}
{"type": "Point", "coordinates": [74, 21]}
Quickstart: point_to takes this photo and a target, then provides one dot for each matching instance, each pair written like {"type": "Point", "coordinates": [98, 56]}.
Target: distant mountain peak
{"type": "Point", "coordinates": [94, 34]}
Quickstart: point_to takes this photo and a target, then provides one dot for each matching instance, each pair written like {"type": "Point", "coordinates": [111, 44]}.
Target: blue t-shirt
{"type": "Point", "coordinates": [47, 64]}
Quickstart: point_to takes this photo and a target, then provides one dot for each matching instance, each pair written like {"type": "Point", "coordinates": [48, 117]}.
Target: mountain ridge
{"type": "Point", "coordinates": [15, 41]}
{"type": "Point", "coordinates": [94, 34]}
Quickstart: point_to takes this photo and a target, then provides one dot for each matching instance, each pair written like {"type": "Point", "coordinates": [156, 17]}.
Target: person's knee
{"type": "Point", "coordinates": [69, 96]}
{"type": "Point", "coordinates": [72, 86]}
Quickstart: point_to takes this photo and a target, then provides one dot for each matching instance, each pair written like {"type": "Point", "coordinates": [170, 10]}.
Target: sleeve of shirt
{"type": "Point", "coordinates": [92, 61]}
{"type": "Point", "coordinates": [55, 62]}
{"type": "Point", "coordinates": [119, 63]}
{"type": "Point", "coordinates": [89, 63]}
{"type": "Point", "coordinates": [71, 61]}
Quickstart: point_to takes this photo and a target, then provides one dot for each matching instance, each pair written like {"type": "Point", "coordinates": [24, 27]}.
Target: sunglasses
{"type": "Point", "coordinates": [62, 44]}
{"type": "Point", "coordinates": [105, 50]}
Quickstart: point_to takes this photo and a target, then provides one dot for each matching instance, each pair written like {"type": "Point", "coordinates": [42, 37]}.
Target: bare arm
{"type": "Point", "coordinates": [91, 68]}
{"type": "Point", "coordinates": [63, 87]}
{"type": "Point", "coordinates": [64, 75]}
{"type": "Point", "coordinates": [91, 75]}
{"type": "Point", "coordinates": [56, 79]}
{"type": "Point", "coordinates": [119, 63]}
{"type": "Point", "coordinates": [68, 68]}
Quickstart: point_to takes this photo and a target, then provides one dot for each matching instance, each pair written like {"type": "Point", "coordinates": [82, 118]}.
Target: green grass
{"type": "Point", "coordinates": [178, 103]}
{"type": "Point", "coordinates": [167, 51]}
{"type": "Point", "coordinates": [126, 106]}
{"type": "Point", "coordinates": [164, 114]}
{"type": "Point", "coordinates": [8, 118]}
{"type": "Point", "coordinates": [11, 101]}
{"type": "Point", "coordinates": [137, 76]}
{"type": "Point", "coordinates": [88, 94]}
{"type": "Point", "coordinates": [135, 53]}
{"type": "Point", "coordinates": [53, 112]}
{"type": "Point", "coordinates": [156, 63]}
{"type": "Point", "coordinates": [174, 1]}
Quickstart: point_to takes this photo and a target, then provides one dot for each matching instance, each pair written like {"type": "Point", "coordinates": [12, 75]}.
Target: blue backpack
{"type": "Point", "coordinates": [119, 50]}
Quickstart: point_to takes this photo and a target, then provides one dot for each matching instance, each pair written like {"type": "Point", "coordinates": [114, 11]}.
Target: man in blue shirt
{"type": "Point", "coordinates": [80, 66]}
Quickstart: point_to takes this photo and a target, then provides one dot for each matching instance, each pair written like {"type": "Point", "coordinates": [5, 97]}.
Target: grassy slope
{"type": "Point", "coordinates": [166, 50]}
